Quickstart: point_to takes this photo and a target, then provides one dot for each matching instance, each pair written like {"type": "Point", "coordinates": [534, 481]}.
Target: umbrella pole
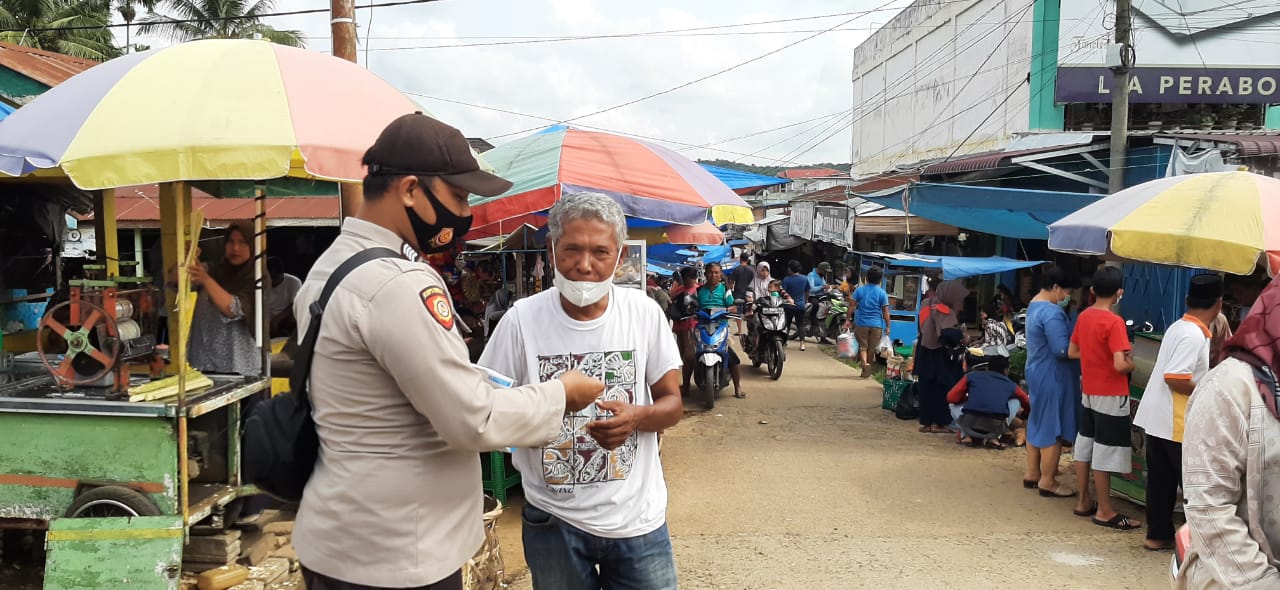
{"type": "Point", "coordinates": [261, 286]}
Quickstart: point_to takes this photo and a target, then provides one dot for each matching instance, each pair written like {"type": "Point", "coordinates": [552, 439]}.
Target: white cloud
{"type": "Point", "coordinates": [567, 79]}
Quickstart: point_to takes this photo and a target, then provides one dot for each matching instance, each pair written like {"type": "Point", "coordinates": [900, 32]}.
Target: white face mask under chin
{"type": "Point", "coordinates": [583, 293]}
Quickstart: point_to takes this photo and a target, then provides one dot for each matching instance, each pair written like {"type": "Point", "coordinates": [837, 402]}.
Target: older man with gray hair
{"type": "Point", "coordinates": [596, 500]}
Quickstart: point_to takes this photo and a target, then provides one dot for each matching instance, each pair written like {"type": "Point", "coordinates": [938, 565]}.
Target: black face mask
{"type": "Point", "coordinates": [447, 230]}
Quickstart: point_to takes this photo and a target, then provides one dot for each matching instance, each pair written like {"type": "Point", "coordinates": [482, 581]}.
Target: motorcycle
{"type": "Point", "coordinates": [765, 342]}
{"type": "Point", "coordinates": [711, 347]}
{"type": "Point", "coordinates": [831, 312]}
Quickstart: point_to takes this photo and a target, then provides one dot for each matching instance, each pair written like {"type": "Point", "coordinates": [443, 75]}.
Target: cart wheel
{"type": "Point", "coordinates": [112, 501]}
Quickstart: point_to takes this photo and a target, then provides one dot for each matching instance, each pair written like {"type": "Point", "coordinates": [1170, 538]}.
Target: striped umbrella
{"type": "Point", "coordinates": [649, 181]}
{"type": "Point", "coordinates": [1224, 221]}
{"type": "Point", "coordinates": [228, 109]}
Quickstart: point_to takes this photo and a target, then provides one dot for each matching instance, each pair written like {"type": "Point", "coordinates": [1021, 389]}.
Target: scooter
{"type": "Point", "coordinates": [711, 348]}
{"type": "Point", "coordinates": [765, 342]}
{"type": "Point", "coordinates": [831, 311]}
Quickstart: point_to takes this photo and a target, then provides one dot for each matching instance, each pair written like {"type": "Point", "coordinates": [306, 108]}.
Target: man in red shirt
{"type": "Point", "coordinates": [1101, 342]}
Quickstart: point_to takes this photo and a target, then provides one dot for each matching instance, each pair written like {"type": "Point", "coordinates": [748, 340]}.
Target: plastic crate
{"type": "Point", "coordinates": [893, 389]}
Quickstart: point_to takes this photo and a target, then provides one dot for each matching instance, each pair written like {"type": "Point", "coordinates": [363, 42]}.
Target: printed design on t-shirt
{"type": "Point", "coordinates": [574, 458]}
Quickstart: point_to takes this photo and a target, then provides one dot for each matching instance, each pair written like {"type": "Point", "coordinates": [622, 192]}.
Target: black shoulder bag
{"type": "Point", "coordinates": [280, 444]}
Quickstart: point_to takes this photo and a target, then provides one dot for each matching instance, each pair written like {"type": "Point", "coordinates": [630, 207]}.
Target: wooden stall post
{"type": "Point", "coordinates": [105, 237]}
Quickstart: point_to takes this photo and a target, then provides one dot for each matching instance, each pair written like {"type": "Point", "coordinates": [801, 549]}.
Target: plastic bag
{"type": "Point", "coordinates": [885, 343]}
{"type": "Point", "coordinates": [846, 346]}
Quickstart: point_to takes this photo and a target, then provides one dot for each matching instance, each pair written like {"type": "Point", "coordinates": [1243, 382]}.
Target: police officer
{"type": "Point", "coordinates": [395, 500]}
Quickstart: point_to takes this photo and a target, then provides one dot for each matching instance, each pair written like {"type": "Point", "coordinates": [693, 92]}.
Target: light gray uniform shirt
{"type": "Point", "coordinates": [395, 500]}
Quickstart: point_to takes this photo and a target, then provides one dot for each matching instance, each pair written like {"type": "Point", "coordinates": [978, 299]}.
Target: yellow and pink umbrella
{"type": "Point", "coordinates": [207, 110]}
{"type": "Point", "coordinates": [1225, 221]}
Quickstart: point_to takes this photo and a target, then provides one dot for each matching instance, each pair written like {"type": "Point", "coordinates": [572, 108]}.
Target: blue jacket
{"type": "Point", "coordinates": [816, 283]}
{"type": "Point", "coordinates": [989, 393]}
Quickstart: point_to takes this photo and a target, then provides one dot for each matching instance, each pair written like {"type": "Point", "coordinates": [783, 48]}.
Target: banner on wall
{"type": "Point", "coordinates": [833, 225]}
{"type": "Point", "coordinates": [802, 214]}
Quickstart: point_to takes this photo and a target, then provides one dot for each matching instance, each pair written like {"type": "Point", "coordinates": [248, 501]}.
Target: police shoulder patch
{"type": "Point", "coordinates": [437, 304]}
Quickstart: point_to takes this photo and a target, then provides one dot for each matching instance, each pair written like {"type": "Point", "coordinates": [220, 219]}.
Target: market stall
{"type": "Point", "coordinates": [108, 445]}
{"type": "Point", "coordinates": [1221, 221]}
{"type": "Point", "coordinates": [905, 276]}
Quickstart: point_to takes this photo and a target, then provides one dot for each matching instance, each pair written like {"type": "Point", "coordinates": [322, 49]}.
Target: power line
{"type": "Point", "coordinates": [697, 80]}
{"type": "Point", "coordinates": [179, 21]}
{"type": "Point", "coordinates": [584, 126]}
{"type": "Point", "coordinates": [691, 31]}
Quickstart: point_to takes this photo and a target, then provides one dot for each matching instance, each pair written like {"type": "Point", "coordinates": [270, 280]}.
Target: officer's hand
{"type": "Point", "coordinates": [611, 433]}
{"type": "Point", "coordinates": [580, 390]}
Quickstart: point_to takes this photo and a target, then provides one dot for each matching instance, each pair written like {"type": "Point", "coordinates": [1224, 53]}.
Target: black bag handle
{"type": "Point", "coordinates": [302, 364]}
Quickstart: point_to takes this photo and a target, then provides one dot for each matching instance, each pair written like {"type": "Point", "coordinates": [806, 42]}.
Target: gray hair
{"type": "Point", "coordinates": [594, 206]}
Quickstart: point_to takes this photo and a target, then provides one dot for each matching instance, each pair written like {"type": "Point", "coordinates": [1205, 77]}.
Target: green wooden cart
{"type": "Point", "coordinates": [114, 487]}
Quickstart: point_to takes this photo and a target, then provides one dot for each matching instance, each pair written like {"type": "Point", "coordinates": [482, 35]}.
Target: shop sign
{"type": "Point", "coordinates": [1173, 85]}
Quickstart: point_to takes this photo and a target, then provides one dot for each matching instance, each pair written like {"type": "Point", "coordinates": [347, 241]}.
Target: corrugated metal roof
{"type": "Point", "coordinates": [139, 206]}
{"type": "Point", "coordinates": [1247, 144]}
{"type": "Point", "coordinates": [46, 67]}
{"type": "Point", "coordinates": [811, 173]}
{"type": "Point", "coordinates": [984, 161]}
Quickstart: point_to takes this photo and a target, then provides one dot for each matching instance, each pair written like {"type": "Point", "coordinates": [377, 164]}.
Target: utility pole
{"type": "Point", "coordinates": [342, 24]}
{"type": "Point", "coordinates": [1123, 50]}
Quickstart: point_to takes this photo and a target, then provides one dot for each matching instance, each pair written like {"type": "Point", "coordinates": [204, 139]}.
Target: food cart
{"type": "Point", "coordinates": [100, 466]}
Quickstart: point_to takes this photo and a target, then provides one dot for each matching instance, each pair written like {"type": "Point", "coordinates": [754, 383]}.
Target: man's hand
{"type": "Point", "coordinates": [580, 390]}
{"type": "Point", "coordinates": [611, 433]}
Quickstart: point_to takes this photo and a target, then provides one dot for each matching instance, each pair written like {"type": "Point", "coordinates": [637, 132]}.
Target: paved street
{"type": "Point", "coordinates": [835, 493]}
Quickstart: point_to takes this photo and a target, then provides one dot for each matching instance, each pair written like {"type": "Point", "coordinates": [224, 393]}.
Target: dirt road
{"type": "Point", "coordinates": [835, 493]}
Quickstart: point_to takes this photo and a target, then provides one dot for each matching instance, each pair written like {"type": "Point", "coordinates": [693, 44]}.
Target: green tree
{"type": "Point", "coordinates": [72, 27]}
{"type": "Point", "coordinates": [216, 19]}
{"type": "Point", "coordinates": [128, 10]}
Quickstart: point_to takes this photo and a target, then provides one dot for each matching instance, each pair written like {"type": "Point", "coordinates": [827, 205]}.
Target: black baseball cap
{"type": "Point", "coordinates": [418, 145]}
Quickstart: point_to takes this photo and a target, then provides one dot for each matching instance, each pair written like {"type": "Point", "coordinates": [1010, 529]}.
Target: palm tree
{"type": "Point", "coordinates": [129, 12]}
{"type": "Point", "coordinates": [217, 19]}
{"type": "Point", "coordinates": [73, 27]}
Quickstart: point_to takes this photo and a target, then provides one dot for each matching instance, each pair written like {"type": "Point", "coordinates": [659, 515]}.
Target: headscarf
{"type": "Point", "coordinates": [237, 279]}
{"type": "Point", "coordinates": [761, 284]}
{"type": "Point", "coordinates": [945, 313]}
{"type": "Point", "coordinates": [1257, 343]}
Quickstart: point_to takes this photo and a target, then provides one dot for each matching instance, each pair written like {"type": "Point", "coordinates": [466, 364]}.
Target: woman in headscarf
{"type": "Point", "coordinates": [222, 331]}
{"type": "Point", "coordinates": [760, 286]}
{"type": "Point", "coordinates": [1053, 382]}
{"type": "Point", "coordinates": [940, 356]}
{"type": "Point", "coordinates": [1231, 460]}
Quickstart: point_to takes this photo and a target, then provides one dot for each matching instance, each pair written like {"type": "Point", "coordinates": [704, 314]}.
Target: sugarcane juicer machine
{"type": "Point", "coordinates": [103, 328]}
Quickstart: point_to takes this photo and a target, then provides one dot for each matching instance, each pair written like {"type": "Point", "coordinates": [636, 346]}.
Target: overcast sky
{"type": "Point", "coordinates": [561, 80]}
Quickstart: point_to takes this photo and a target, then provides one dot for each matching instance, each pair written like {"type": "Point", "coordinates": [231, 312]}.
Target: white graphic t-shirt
{"type": "Point", "coordinates": [614, 494]}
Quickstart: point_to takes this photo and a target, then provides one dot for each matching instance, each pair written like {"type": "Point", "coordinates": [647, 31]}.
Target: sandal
{"type": "Point", "coordinates": [939, 430]}
{"type": "Point", "coordinates": [1089, 512]}
{"type": "Point", "coordinates": [924, 430]}
{"type": "Point", "coordinates": [1119, 522]}
{"type": "Point", "coordinates": [1061, 492]}
{"type": "Point", "coordinates": [994, 444]}
{"type": "Point", "coordinates": [1030, 484]}
{"type": "Point", "coordinates": [740, 395]}
{"type": "Point", "coordinates": [1158, 549]}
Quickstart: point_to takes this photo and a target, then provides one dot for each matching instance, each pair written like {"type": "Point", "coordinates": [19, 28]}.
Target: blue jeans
{"type": "Point", "coordinates": [562, 557]}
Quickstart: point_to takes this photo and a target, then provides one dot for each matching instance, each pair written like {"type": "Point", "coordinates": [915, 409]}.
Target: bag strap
{"type": "Point", "coordinates": [302, 363]}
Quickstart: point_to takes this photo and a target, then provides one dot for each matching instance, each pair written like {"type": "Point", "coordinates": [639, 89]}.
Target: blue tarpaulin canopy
{"type": "Point", "coordinates": [1008, 212]}
{"type": "Point", "coordinates": [954, 267]}
{"type": "Point", "coordinates": [5, 110]}
{"type": "Point", "coordinates": [737, 179]}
